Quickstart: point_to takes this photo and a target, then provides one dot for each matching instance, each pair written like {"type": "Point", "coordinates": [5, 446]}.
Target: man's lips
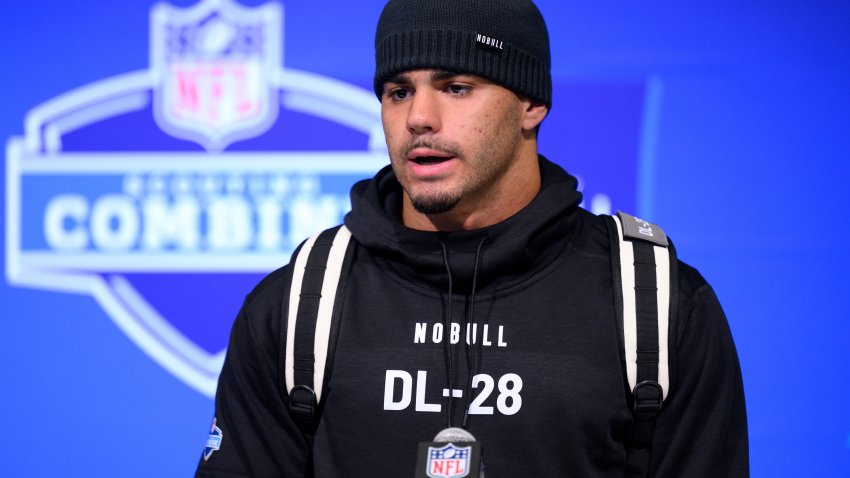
{"type": "Point", "coordinates": [426, 156]}
{"type": "Point", "coordinates": [427, 162]}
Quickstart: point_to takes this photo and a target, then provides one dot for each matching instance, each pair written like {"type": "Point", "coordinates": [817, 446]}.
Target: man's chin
{"type": "Point", "coordinates": [434, 204]}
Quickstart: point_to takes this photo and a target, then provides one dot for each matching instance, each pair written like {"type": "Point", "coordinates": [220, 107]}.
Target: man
{"type": "Point", "coordinates": [479, 295]}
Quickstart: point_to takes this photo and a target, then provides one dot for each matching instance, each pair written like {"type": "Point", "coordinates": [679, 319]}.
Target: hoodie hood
{"type": "Point", "coordinates": [512, 248]}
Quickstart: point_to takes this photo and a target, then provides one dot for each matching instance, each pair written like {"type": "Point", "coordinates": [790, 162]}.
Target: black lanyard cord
{"type": "Point", "coordinates": [447, 349]}
{"type": "Point", "coordinates": [470, 348]}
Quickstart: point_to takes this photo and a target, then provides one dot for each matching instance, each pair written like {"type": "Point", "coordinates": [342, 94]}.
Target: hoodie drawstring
{"type": "Point", "coordinates": [470, 327]}
{"type": "Point", "coordinates": [470, 349]}
{"type": "Point", "coordinates": [447, 348]}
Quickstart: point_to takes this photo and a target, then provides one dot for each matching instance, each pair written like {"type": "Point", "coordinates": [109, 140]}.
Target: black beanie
{"type": "Point", "coordinates": [504, 41]}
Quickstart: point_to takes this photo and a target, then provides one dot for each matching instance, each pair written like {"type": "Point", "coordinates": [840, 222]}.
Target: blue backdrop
{"type": "Point", "coordinates": [726, 122]}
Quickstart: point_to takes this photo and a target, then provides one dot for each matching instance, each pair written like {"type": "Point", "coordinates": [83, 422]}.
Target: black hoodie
{"type": "Point", "coordinates": [527, 308]}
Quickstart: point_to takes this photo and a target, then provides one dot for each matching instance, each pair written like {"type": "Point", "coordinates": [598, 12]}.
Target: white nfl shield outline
{"type": "Point", "coordinates": [211, 65]}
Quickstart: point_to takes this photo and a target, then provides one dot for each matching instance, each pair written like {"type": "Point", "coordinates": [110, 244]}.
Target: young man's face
{"type": "Point", "coordinates": [452, 138]}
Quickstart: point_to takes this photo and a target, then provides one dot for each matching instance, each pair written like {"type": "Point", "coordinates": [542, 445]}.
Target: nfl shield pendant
{"type": "Point", "coordinates": [454, 453]}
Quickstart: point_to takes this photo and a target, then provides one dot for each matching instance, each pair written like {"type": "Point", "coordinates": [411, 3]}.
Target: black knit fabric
{"type": "Point", "coordinates": [505, 41]}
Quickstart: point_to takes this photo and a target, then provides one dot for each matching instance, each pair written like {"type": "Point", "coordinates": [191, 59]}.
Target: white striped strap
{"type": "Point", "coordinates": [645, 279]}
{"type": "Point", "coordinates": [315, 279]}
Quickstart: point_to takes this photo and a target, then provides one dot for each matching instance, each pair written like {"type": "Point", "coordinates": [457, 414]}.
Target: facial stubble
{"type": "Point", "coordinates": [490, 164]}
{"type": "Point", "coordinates": [437, 202]}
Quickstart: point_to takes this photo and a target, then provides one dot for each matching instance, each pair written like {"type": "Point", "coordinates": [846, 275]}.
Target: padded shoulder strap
{"type": "Point", "coordinates": [317, 270]}
{"type": "Point", "coordinates": [645, 265]}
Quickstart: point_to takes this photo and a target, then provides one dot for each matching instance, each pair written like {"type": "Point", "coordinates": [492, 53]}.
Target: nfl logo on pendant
{"type": "Point", "coordinates": [448, 461]}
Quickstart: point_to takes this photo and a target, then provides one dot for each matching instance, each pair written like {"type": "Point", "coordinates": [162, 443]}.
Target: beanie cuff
{"type": "Point", "coordinates": [463, 52]}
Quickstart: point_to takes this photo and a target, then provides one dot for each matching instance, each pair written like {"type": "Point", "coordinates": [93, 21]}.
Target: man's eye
{"type": "Point", "coordinates": [458, 90]}
{"type": "Point", "coordinates": [399, 94]}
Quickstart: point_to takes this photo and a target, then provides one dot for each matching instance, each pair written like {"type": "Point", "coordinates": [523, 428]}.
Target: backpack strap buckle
{"type": "Point", "coordinates": [648, 399]}
{"type": "Point", "coordinates": [302, 404]}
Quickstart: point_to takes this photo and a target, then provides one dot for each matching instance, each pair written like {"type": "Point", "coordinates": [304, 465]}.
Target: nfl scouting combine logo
{"type": "Point", "coordinates": [166, 193]}
{"type": "Point", "coordinates": [214, 439]}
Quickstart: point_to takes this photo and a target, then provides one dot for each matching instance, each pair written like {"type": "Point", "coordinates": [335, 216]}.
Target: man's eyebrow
{"type": "Point", "coordinates": [442, 75]}
{"type": "Point", "coordinates": [399, 79]}
{"type": "Point", "coordinates": [437, 75]}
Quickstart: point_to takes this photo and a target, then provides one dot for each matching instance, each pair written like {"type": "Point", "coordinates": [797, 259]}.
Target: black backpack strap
{"type": "Point", "coordinates": [319, 274]}
{"type": "Point", "coordinates": [646, 301]}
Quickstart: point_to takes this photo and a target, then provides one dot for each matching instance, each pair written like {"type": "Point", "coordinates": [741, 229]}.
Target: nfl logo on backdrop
{"type": "Point", "coordinates": [448, 461]}
{"type": "Point", "coordinates": [167, 193]}
{"type": "Point", "coordinates": [214, 66]}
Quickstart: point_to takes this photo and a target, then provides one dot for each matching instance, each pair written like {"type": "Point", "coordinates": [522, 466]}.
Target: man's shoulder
{"type": "Point", "coordinates": [591, 233]}
{"type": "Point", "coordinates": [272, 292]}
{"type": "Point", "coordinates": [690, 280]}
{"type": "Point", "coordinates": [270, 288]}
{"type": "Point", "coordinates": [259, 320]}
{"type": "Point", "coordinates": [594, 237]}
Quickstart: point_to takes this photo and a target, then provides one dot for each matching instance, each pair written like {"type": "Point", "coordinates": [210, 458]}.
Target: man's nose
{"type": "Point", "coordinates": [424, 113]}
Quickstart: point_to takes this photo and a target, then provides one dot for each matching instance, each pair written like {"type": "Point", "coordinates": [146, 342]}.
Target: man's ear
{"type": "Point", "coordinates": [533, 114]}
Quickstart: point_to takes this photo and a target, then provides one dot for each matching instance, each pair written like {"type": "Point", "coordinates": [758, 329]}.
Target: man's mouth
{"type": "Point", "coordinates": [427, 160]}
{"type": "Point", "coordinates": [428, 156]}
